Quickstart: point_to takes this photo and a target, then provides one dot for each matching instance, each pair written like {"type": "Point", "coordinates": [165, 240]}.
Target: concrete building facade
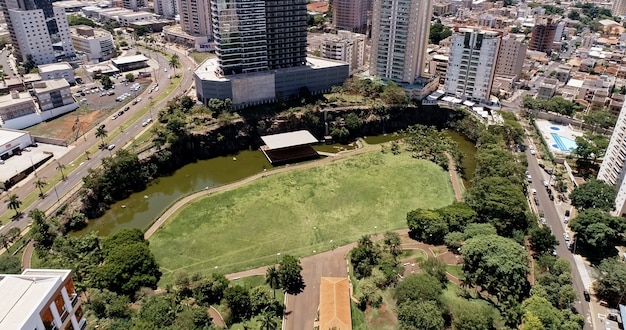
{"type": "Point", "coordinates": [61, 70]}
{"type": "Point", "coordinates": [543, 33]}
{"type": "Point", "coordinates": [40, 299]}
{"type": "Point", "coordinates": [352, 15]}
{"type": "Point", "coordinates": [166, 8]}
{"type": "Point", "coordinates": [96, 43]}
{"type": "Point", "coordinates": [472, 66]}
{"type": "Point", "coordinates": [133, 4]}
{"type": "Point", "coordinates": [613, 168]}
{"type": "Point", "coordinates": [511, 56]}
{"type": "Point", "coordinates": [52, 94]}
{"type": "Point", "coordinates": [619, 7]}
{"type": "Point", "coordinates": [195, 17]}
{"type": "Point", "coordinates": [344, 46]}
{"type": "Point", "coordinates": [400, 31]}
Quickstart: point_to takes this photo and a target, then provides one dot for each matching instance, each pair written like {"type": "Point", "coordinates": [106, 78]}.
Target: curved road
{"type": "Point", "coordinates": [26, 186]}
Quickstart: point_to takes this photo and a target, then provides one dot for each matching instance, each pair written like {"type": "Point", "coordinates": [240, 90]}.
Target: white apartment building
{"type": "Point", "coordinates": [400, 30]}
{"type": "Point", "coordinates": [32, 31]}
{"type": "Point", "coordinates": [126, 19]}
{"type": "Point", "coordinates": [166, 8]}
{"type": "Point", "coordinates": [344, 46]}
{"type": "Point", "coordinates": [619, 7]}
{"type": "Point", "coordinates": [40, 299]}
{"type": "Point", "coordinates": [612, 170]}
{"type": "Point", "coordinates": [54, 71]}
{"type": "Point", "coordinates": [473, 54]}
{"type": "Point", "coordinates": [96, 43]}
{"type": "Point", "coordinates": [133, 4]}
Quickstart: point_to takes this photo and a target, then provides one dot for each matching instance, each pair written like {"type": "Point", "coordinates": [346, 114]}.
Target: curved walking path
{"type": "Point", "coordinates": [454, 178]}
{"type": "Point", "coordinates": [28, 254]}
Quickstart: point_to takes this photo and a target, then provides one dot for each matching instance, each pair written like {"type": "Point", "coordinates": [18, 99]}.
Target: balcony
{"type": "Point", "coordinates": [74, 299]}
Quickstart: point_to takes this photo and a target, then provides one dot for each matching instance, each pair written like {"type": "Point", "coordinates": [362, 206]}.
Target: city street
{"type": "Point", "coordinates": [554, 220]}
{"type": "Point", "coordinates": [78, 148]}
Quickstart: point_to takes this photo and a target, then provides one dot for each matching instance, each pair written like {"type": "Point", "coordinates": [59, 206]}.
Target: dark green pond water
{"type": "Point", "coordinates": [141, 209]}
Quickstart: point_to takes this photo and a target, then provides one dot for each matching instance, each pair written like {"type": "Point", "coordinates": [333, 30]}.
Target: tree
{"type": "Point", "coordinates": [127, 266]}
{"type": "Point", "coordinates": [454, 240]}
{"type": "Point", "coordinates": [106, 82]}
{"type": "Point", "coordinates": [601, 118]}
{"type": "Point", "coordinates": [186, 103]}
{"type": "Point", "coordinates": [424, 315]}
{"type": "Point", "coordinates": [210, 291]}
{"type": "Point", "coordinates": [542, 240]}
{"type": "Point", "coordinates": [268, 322]}
{"type": "Point", "coordinates": [238, 300]}
{"type": "Point", "coordinates": [470, 315]}
{"type": "Point", "coordinates": [438, 32]}
{"type": "Point", "coordinates": [364, 257]}
{"type": "Point", "coordinates": [4, 241]}
{"type": "Point", "coordinates": [598, 229]}
{"type": "Point", "coordinates": [394, 95]}
{"type": "Point", "coordinates": [272, 278]}
{"type": "Point", "coordinates": [290, 274]}
{"type": "Point", "coordinates": [353, 122]}
{"type": "Point", "coordinates": [80, 20]}
{"type": "Point", "coordinates": [426, 225]}
{"type": "Point", "coordinates": [10, 264]}
{"type": "Point", "coordinates": [573, 15]}
{"type": "Point", "coordinates": [458, 215]}
{"type": "Point", "coordinates": [531, 322]}
{"type": "Point", "coordinates": [610, 283]}
{"type": "Point", "coordinates": [14, 203]}
{"type": "Point", "coordinates": [101, 133]}
{"type": "Point", "coordinates": [435, 268]}
{"type": "Point", "coordinates": [498, 265]}
{"type": "Point", "coordinates": [158, 311]}
{"type": "Point", "coordinates": [61, 167]}
{"type": "Point", "coordinates": [174, 62]}
{"type": "Point", "coordinates": [551, 318]}
{"type": "Point", "coordinates": [500, 202]}
{"type": "Point", "coordinates": [130, 77]}
{"type": "Point", "coordinates": [40, 230]}
{"type": "Point", "coordinates": [418, 288]}
{"type": "Point", "coordinates": [476, 229]}
{"type": "Point", "coordinates": [392, 242]}
{"type": "Point", "coordinates": [594, 194]}
{"type": "Point", "coordinates": [40, 183]}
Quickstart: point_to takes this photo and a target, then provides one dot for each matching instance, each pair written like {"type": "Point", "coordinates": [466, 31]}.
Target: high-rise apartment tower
{"type": "Point", "coordinates": [352, 15]}
{"type": "Point", "coordinates": [195, 17]}
{"type": "Point", "coordinates": [400, 30]}
{"type": "Point", "coordinates": [613, 168]}
{"type": "Point", "coordinates": [543, 33]}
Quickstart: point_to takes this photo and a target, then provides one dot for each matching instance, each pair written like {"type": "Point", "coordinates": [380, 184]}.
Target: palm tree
{"type": "Point", "coordinates": [40, 183]}
{"type": "Point", "coordinates": [272, 278]}
{"type": "Point", "coordinates": [14, 203]}
{"type": "Point", "coordinates": [4, 241]}
{"type": "Point", "coordinates": [87, 153]}
{"type": "Point", "coordinates": [101, 133]}
{"type": "Point", "coordinates": [268, 322]}
{"type": "Point", "coordinates": [61, 167]}
{"type": "Point", "coordinates": [174, 63]}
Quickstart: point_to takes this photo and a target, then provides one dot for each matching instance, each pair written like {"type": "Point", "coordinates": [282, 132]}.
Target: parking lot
{"type": "Point", "coordinates": [95, 99]}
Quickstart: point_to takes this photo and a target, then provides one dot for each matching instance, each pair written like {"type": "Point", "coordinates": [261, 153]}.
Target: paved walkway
{"type": "Point", "coordinates": [28, 254]}
{"type": "Point", "coordinates": [454, 178]}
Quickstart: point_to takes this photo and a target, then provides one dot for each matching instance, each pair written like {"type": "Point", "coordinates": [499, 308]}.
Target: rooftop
{"type": "Point", "coordinates": [291, 139]}
{"type": "Point", "coordinates": [54, 67]}
{"type": "Point", "coordinates": [50, 85]}
{"type": "Point", "coordinates": [8, 135]}
{"type": "Point", "coordinates": [129, 59]}
{"type": "Point", "coordinates": [22, 294]}
{"type": "Point", "coordinates": [7, 100]}
{"type": "Point", "coordinates": [334, 309]}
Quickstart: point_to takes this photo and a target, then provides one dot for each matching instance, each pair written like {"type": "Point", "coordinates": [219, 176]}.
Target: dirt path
{"type": "Point", "coordinates": [184, 201]}
{"type": "Point", "coordinates": [218, 320]}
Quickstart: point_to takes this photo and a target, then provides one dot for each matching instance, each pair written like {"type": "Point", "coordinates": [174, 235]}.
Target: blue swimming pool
{"type": "Point", "coordinates": [563, 143]}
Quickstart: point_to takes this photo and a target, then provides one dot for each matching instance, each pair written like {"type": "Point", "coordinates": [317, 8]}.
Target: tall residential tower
{"type": "Point", "coordinates": [351, 15]}
{"type": "Point", "coordinates": [400, 30]}
{"type": "Point", "coordinates": [613, 168]}
{"type": "Point", "coordinates": [472, 65]}
{"type": "Point", "coordinates": [195, 17]}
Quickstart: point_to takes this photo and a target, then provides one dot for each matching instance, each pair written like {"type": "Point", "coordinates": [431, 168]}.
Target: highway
{"type": "Point", "coordinates": [555, 222]}
{"type": "Point", "coordinates": [130, 130]}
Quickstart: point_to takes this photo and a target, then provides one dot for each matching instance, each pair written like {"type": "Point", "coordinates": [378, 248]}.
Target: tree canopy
{"type": "Point", "coordinates": [598, 229]}
{"type": "Point", "coordinates": [497, 264]}
{"type": "Point", "coordinates": [418, 288]}
{"type": "Point", "coordinates": [610, 283]}
{"type": "Point", "coordinates": [424, 315]}
{"type": "Point", "coordinates": [289, 274]}
{"type": "Point", "coordinates": [594, 194]}
{"type": "Point", "coordinates": [542, 240]}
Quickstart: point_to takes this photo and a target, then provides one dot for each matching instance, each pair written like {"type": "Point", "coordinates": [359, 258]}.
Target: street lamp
{"type": "Point", "coordinates": [57, 193]}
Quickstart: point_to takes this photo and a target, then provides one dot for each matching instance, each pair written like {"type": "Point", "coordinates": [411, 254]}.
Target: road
{"type": "Point", "coordinates": [77, 150]}
{"type": "Point", "coordinates": [554, 221]}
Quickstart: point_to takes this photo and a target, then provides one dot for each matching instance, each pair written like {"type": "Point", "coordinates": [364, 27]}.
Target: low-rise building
{"type": "Point", "coordinates": [547, 89]}
{"type": "Point", "coordinates": [52, 94]}
{"type": "Point", "coordinates": [40, 299]}
{"type": "Point", "coordinates": [96, 43]}
{"type": "Point", "coordinates": [127, 19]}
{"type": "Point", "coordinates": [60, 70]}
{"type": "Point", "coordinates": [344, 46]}
{"type": "Point", "coordinates": [15, 105]}
{"type": "Point", "coordinates": [129, 63]}
{"type": "Point", "coordinates": [563, 72]}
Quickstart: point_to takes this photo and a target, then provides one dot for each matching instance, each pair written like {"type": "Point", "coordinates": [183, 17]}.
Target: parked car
{"type": "Point", "coordinates": [533, 152]}
{"type": "Point", "coordinates": [545, 183]}
{"type": "Point", "coordinates": [536, 201]}
{"type": "Point", "coordinates": [587, 296]}
{"type": "Point", "coordinates": [566, 237]}
{"type": "Point", "coordinates": [533, 191]}
{"type": "Point", "coordinates": [121, 112]}
{"type": "Point", "coordinates": [543, 221]}
{"type": "Point", "coordinates": [126, 108]}
{"type": "Point", "coordinates": [111, 146]}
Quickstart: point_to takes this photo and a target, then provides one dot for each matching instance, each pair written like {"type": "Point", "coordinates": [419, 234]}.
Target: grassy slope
{"type": "Point", "coordinates": [299, 213]}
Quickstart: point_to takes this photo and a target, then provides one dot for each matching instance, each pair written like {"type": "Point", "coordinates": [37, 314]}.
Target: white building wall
{"type": "Point", "coordinates": [612, 168]}
{"type": "Point", "coordinates": [64, 31]}
{"type": "Point", "coordinates": [28, 27]}
{"type": "Point", "coordinates": [36, 118]}
{"type": "Point", "coordinates": [167, 8]}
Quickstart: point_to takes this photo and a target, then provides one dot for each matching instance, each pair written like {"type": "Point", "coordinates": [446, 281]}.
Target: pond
{"type": "Point", "coordinates": [141, 209]}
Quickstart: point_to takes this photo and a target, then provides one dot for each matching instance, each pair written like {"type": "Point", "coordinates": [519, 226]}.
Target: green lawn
{"type": "Point", "coordinates": [300, 213]}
